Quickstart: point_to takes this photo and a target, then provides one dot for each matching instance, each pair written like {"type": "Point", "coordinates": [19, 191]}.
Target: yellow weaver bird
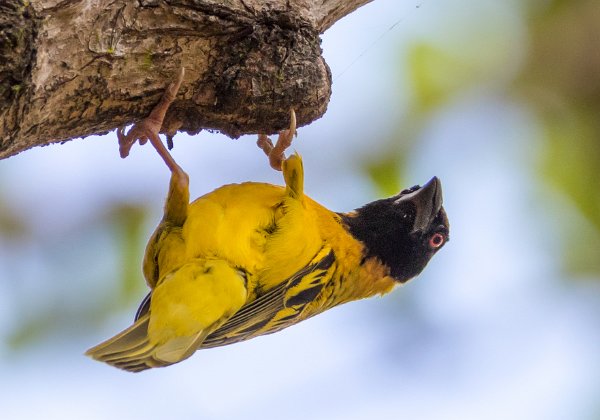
{"type": "Point", "coordinates": [251, 259]}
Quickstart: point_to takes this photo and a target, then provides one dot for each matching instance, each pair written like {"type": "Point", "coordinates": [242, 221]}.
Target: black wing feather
{"type": "Point", "coordinates": [256, 317]}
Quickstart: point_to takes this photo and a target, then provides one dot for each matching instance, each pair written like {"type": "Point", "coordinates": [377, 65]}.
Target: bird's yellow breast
{"type": "Point", "coordinates": [232, 223]}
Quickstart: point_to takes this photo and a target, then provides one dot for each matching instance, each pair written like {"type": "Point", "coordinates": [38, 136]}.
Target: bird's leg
{"type": "Point", "coordinates": [148, 129]}
{"type": "Point", "coordinates": [276, 153]}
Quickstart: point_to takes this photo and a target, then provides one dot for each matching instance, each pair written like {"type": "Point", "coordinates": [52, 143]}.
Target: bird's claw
{"type": "Point", "coordinates": [140, 132]}
{"type": "Point", "coordinates": [149, 127]}
{"type": "Point", "coordinates": [276, 154]}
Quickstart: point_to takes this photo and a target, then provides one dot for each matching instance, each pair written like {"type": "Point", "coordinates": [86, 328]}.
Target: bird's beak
{"type": "Point", "coordinates": [427, 201]}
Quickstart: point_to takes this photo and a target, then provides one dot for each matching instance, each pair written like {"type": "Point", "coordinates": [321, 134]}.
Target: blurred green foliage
{"type": "Point", "coordinates": [385, 174]}
{"type": "Point", "coordinates": [558, 79]}
{"type": "Point", "coordinates": [73, 306]}
{"type": "Point", "coordinates": [128, 225]}
{"type": "Point", "coordinates": [561, 82]}
{"type": "Point", "coordinates": [435, 75]}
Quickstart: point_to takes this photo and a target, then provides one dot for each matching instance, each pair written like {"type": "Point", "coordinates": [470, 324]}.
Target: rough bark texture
{"type": "Point", "coordinates": [73, 68]}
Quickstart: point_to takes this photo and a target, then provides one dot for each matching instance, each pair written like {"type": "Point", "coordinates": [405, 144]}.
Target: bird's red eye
{"type": "Point", "coordinates": [436, 240]}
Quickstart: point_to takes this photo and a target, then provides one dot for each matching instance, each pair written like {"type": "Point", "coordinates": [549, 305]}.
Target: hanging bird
{"type": "Point", "coordinates": [253, 258]}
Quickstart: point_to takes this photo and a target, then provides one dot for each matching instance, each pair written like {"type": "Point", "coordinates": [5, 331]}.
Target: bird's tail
{"type": "Point", "coordinates": [131, 349]}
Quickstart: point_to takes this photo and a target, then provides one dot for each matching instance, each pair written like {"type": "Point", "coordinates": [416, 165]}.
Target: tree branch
{"type": "Point", "coordinates": [73, 68]}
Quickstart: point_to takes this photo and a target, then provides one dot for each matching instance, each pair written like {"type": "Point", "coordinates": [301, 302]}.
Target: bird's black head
{"type": "Point", "coordinates": [403, 231]}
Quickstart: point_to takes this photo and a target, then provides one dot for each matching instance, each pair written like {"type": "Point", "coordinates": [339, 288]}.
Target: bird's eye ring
{"type": "Point", "coordinates": [436, 240]}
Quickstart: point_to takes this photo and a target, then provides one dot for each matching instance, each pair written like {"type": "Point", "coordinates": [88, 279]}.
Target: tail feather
{"type": "Point", "coordinates": [123, 341]}
{"type": "Point", "coordinates": [180, 348]}
{"type": "Point", "coordinates": [131, 349]}
{"type": "Point", "coordinates": [135, 351]}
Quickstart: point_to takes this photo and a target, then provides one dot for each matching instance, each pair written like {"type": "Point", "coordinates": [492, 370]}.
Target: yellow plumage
{"type": "Point", "coordinates": [228, 251]}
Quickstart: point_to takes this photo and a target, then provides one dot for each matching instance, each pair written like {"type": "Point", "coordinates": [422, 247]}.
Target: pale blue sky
{"type": "Point", "coordinates": [488, 331]}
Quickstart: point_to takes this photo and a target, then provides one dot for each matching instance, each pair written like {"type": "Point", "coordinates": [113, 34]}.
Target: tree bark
{"type": "Point", "coordinates": [72, 68]}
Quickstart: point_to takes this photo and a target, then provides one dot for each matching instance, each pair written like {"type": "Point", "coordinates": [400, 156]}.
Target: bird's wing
{"type": "Point", "coordinates": [144, 307]}
{"type": "Point", "coordinates": [279, 307]}
{"type": "Point", "coordinates": [185, 307]}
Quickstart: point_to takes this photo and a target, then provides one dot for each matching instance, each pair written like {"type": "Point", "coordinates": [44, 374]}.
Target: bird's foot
{"type": "Point", "coordinates": [149, 127]}
{"type": "Point", "coordinates": [276, 154]}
